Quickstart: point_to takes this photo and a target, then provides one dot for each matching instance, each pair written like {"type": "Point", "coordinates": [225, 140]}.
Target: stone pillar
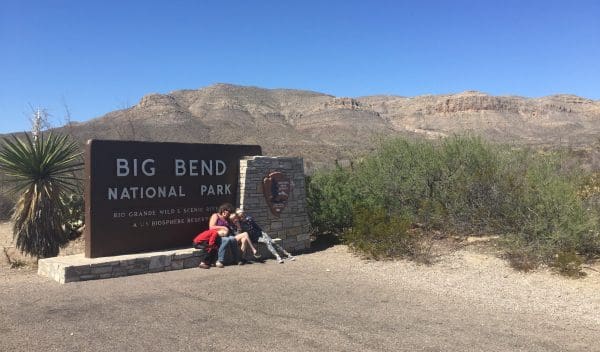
{"type": "Point", "coordinates": [292, 224]}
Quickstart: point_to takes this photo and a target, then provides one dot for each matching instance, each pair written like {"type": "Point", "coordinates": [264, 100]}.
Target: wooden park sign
{"type": "Point", "coordinates": [143, 196]}
{"type": "Point", "coordinates": [277, 189]}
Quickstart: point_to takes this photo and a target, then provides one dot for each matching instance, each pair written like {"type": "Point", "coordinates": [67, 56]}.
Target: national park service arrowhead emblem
{"type": "Point", "coordinates": [277, 189]}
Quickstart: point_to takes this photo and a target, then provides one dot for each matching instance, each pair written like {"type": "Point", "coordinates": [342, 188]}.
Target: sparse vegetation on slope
{"type": "Point", "coordinates": [322, 128]}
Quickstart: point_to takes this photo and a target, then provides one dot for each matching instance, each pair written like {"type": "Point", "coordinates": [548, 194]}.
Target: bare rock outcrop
{"type": "Point", "coordinates": [322, 128]}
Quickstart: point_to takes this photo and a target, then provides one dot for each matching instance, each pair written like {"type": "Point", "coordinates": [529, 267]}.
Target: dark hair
{"type": "Point", "coordinates": [226, 206]}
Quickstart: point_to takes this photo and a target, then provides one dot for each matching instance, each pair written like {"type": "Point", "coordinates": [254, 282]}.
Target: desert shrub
{"type": "Point", "coordinates": [41, 173]}
{"type": "Point", "coordinates": [330, 198]}
{"type": "Point", "coordinates": [377, 234]}
{"type": "Point", "coordinates": [568, 263]}
{"type": "Point", "coordinates": [470, 186]}
{"type": "Point", "coordinates": [546, 214]}
{"type": "Point", "coordinates": [589, 192]}
{"type": "Point", "coordinates": [17, 264]}
{"type": "Point", "coordinates": [74, 214]}
{"type": "Point", "coordinates": [462, 185]}
{"type": "Point", "coordinates": [399, 177]}
{"type": "Point", "coordinates": [522, 258]}
{"type": "Point", "coordinates": [451, 185]}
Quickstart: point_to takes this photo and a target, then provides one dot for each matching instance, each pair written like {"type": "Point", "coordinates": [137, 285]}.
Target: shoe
{"type": "Point", "coordinates": [219, 265]}
{"type": "Point", "coordinates": [291, 258]}
{"type": "Point", "coordinates": [242, 262]}
{"type": "Point", "coordinates": [204, 266]}
{"type": "Point", "coordinates": [280, 261]}
{"type": "Point", "coordinates": [257, 255]}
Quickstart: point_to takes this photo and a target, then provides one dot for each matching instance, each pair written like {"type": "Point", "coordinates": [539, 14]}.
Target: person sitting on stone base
{"type": "Point", "coordinates": [228, 242]}
{"type": "Point", "coordinates": [257, 234]}
{"type": "Point", "coordinates": [207, 242]}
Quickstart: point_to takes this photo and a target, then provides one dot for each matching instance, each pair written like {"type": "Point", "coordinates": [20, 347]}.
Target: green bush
{"type": "Point", "coordinates": [545, 212]}
{"type": "Point", "coordinates": [568, 263]}
{"type": "Point", "coordinates": [377, 234]}
{"type": "Point", "coordinates": [330, 198]}
{"type": "Point", "coordinates": [462, 185]}
{"type": "Point", "coordinates": [74, 217]}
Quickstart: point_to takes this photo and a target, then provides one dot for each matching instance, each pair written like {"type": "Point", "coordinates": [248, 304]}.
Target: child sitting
{"type": "Point", "coordinates": [258, 235]}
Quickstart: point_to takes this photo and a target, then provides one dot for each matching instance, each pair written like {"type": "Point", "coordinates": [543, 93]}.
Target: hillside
{"type": "Point", "coordinates": [322, 128]}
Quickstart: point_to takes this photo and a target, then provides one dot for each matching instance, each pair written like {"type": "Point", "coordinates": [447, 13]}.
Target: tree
{"type": "Point", "coordinates": [41, 171]}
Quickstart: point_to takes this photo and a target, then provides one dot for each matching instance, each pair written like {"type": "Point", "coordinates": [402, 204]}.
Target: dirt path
{"type": "Point", "coordinates": [8, 253]}
{"type": "Point", "coordinates": [326, 300]}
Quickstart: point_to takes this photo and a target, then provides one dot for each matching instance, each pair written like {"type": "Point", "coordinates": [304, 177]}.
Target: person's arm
{"type": "Point", "coordinates": [253, 224]}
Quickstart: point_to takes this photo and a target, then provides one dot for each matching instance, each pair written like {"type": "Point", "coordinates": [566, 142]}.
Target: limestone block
{"type": "Point", "coordinates": [73, 273]}
{"type": "Point", "coordinates": [294, 231]}
{"type": "Point", "coordinates": [191, 262]}
{"type": "Point", "coordinates": [276, 225]}
{"type": "Point", "coordinates": [156, 270]}
{"type": "Point", "coordinates": [128, 262]}
{"type": "Point", "coordinates": [42, 269]}
{"type": "Point", "coordinates": [177, 264]}
{"type": "Point", "coordinates": [99, 270]}
{"type": "Point", "coordinates": [59, 276]}
{"type": "Point", "coordinates": [119, 271]}
{"type": "Point", "coordinates": [159, 263]}
{"type": "Point", "coordinates": [304, 237]}
{"type": "Point", "coordinates": [282, 235]}
{"type": "Point", "coordinates": [137, 268]}
{"type": "Point", "coordinates": [182, 256]}
{"type": "Point", "coordinates": [288, 243]}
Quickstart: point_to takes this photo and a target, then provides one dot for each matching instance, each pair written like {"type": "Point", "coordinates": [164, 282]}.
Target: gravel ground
{"type": "Point", "coordinates": [329, 299]}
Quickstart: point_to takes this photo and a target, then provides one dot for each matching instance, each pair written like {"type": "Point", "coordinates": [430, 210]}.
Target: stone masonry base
{"type": "Point", "coordinates": [76, 267]}
{"type": "Point", "coordinates": [292, 224]}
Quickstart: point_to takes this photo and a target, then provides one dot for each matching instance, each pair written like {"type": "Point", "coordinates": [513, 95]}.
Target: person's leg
{"type": "Point", "coordinates": [286, 253]}
{"type": "Point", "coordinates": [264, 238]}
{"type": "Point", "coordinates": [245, 242]}
{"type": "Point", "coordinates": [204, 259]}
{"type": "Point", "coordinates": [235, 250]}
{"type": "Point", "coordinates": [223, 249]}
{"type": "Point", "coordinates": [240, 239]}
{"type": "Point", "coordinates": [212, 257]}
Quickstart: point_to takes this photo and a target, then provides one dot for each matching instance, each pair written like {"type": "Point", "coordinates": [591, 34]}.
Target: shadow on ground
{"type": "Point", "coordinates": [323, 242]}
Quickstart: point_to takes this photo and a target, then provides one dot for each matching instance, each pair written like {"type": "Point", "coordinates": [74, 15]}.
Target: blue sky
{"type": "Point", "coordinates": [99, 56]}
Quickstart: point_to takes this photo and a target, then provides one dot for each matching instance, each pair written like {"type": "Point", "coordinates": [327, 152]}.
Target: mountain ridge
{"type": "Point", "coordinates": [323, 128]}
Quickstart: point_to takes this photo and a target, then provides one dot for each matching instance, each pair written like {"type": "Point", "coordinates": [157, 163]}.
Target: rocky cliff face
{"type": "Point", "coordinates": [322, 128]}
{"type": "Point", "coordinates": [560, 119]}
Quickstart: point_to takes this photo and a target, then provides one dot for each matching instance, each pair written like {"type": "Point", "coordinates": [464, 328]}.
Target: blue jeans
{"type": "Point", "coordinates": [229, 250]}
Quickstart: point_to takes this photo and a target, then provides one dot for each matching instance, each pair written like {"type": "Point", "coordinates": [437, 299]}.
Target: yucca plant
{"type": "Point", "coordinates": [41, 171]}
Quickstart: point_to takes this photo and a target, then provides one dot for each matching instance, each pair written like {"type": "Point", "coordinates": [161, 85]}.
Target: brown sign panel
{"type": "Point", "coordinates": [277, 188]}
{"type": "Point", "coordinates": [143, 196]}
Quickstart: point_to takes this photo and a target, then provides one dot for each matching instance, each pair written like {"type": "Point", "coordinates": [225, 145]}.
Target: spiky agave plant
{"type": "Point", "coordinates": [42, 173]}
